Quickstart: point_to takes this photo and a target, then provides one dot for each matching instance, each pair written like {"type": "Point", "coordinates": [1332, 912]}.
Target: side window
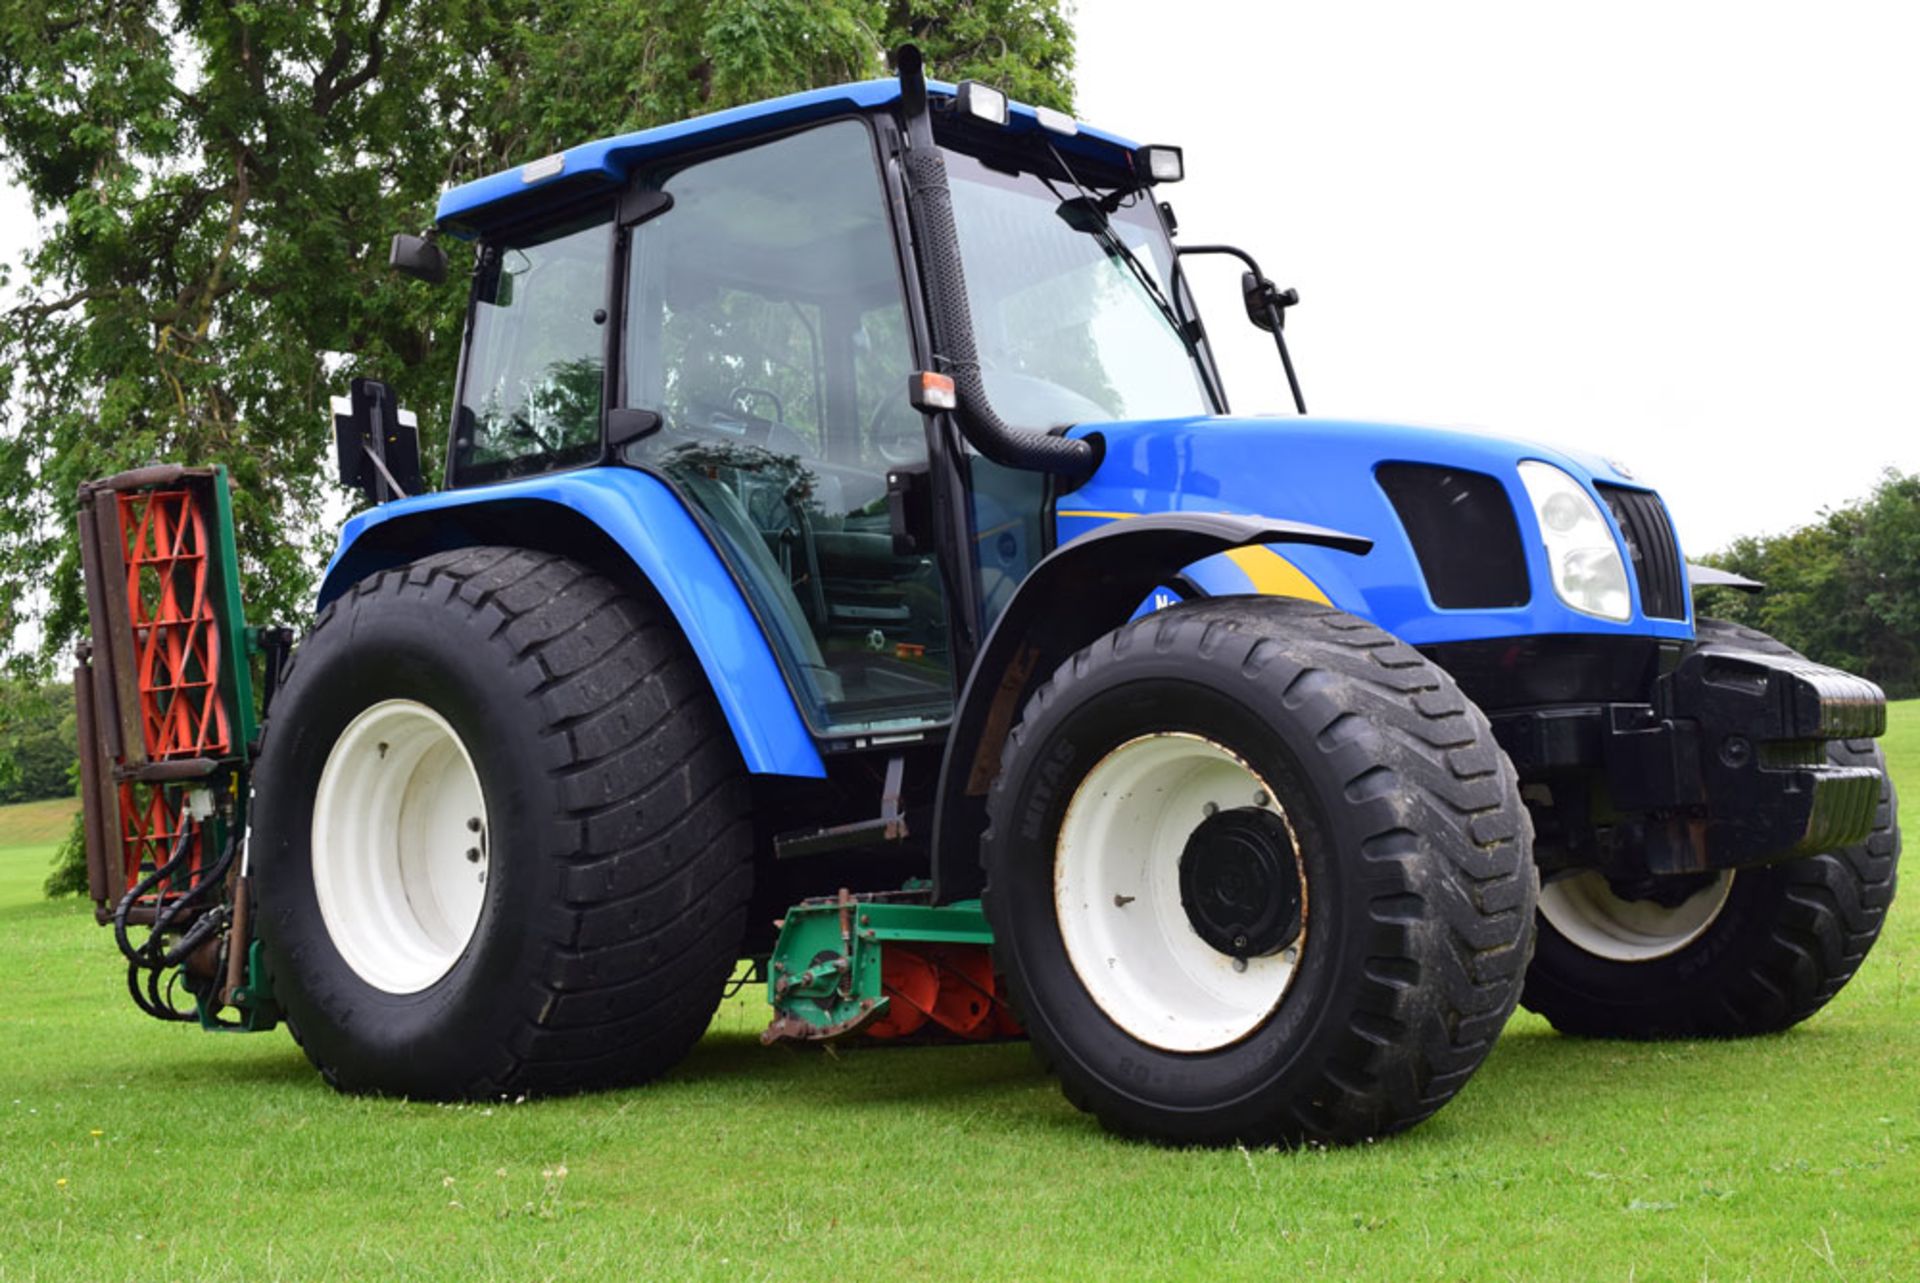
{"type": "Point", "coordinates": [734, 355]}
{"type": "Point", "coordinates": [765, 323]}
{"type": "Point", "coordinates": [531, 398]}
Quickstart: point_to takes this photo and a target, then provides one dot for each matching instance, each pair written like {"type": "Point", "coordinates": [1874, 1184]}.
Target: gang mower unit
{"type": "Point", "coordinates": [848, 564]}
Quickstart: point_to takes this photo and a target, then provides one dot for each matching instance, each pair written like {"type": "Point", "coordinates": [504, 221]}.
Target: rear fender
{"type": "Point", "coordinates": [1080, 591]}
{"type": "Point", "coordinates": [631, 526]}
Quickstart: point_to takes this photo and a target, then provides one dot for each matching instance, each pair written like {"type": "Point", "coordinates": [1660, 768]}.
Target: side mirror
{"type": "Point", "coordinates": [418, 257]}
{"type": "Point", "coordinates": [1266, 303]}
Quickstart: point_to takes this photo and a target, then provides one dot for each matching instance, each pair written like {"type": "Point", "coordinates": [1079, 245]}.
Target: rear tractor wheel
{"type": "Point", "coordinates": [1257, 872]}
{"type": "Point", "coordinates": [500, 841]}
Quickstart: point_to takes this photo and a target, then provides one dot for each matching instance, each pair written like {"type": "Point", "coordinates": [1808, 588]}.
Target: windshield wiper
{"type": "Point", "coordinates": [1086, 214]}
{"type": "Point", "coordinates": [1093, 215]}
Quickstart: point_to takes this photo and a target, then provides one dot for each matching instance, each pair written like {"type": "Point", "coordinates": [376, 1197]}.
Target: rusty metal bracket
{"type": "Point", "coordinates": [889, 826]}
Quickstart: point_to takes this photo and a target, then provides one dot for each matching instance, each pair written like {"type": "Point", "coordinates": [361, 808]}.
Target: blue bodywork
{"type": "Point", "coordinates": [1322, 471]}
{"type": "Point", "coordinates": [650, 524]}
{"type": "Point", "coordinates": [608, 162]}
{"type": "Point", "coordinates": [1312, 470]}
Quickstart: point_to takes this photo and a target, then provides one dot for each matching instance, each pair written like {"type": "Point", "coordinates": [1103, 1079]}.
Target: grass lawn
{"type": "Point", "coordinates": [135, 1150]}
{"type": "Point", "coordinates": [33, 824]}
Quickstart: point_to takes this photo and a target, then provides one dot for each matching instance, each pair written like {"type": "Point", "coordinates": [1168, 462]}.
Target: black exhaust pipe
{"type": "Point", "coordinates": [930, 208]}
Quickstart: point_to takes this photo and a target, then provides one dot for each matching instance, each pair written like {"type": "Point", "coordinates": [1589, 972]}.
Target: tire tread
{"type": "Point", "coordinates": [653, 909]}
{"type": "Point", "coordinates": [1431, 1001]}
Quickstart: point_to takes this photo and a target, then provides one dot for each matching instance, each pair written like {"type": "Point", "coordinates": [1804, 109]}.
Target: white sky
{"type": "Point", "coordinates": [1684, 235]}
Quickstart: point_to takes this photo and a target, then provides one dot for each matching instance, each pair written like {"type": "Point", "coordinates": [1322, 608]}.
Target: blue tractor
{"type": "Point", "coordinates": [850, 578]}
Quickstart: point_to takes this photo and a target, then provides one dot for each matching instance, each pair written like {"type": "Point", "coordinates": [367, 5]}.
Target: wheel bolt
{"type": "Point", "coordinates": [473, 855]}
{"type": "Point", "coordinates": [1239, 964]}
{"type": "Point", "coordinates": [1260, 798]}
{"type": "Point", "coordinates": [1210, 809]}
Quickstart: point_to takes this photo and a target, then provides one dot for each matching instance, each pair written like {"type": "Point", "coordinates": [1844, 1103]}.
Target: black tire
{"type": "Point", "coordinates": [620, 847]}
{"type": "Point", "coordinates": [1413, 842]}
{"type": "Point", "coordinates": [1787, 938]}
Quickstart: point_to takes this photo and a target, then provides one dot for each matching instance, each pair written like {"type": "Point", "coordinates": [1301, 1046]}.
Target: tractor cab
{"type": "Point", "coordinates": [741, 314]}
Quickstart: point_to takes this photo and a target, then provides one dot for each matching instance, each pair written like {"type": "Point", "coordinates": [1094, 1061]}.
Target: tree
{"type": "Point", "coordinates": [221, 178]}
{"type": "Point", "coordinates": [36, 740]}
{"type": "Point", "coordinates": [1844, 590]}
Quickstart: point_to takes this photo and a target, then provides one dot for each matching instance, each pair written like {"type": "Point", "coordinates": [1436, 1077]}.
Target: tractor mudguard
{"type": "Point", "coordinates": [616, 513]}
{"type": "Point", "coordinates": [1079, 591]}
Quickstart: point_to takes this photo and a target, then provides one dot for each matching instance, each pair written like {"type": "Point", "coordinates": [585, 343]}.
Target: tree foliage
{"type": "Point", "coordinates": [36, 740]}
{"type": "Point", "coordinates": [220, 179]}
{"type": "Point", "coordinates": [1844, 590]}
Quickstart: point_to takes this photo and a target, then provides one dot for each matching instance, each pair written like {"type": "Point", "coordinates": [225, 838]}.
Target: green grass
{"type": "Point", "coordinates": [36, 823]}
{"type": "Point", "coordinates": [135, 1150]}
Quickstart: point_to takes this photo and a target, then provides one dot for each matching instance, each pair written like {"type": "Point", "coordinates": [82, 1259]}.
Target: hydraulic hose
{"type": "Point", "coordinates": [930, 208]}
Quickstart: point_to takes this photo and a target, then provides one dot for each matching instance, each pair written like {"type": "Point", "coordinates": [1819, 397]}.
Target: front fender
{"type": "Point", "coordinates": [1078, 592]}
{"type": "Point", "coordinates": [645, 522]}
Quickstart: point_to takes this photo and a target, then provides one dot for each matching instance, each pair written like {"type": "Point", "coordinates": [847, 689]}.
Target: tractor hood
{"type": "Point", "coordinates": [1459, 553]}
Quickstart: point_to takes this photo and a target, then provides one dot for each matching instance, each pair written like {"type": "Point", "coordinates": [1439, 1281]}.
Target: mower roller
{"type": "Point", "coordinates": [165, 713]}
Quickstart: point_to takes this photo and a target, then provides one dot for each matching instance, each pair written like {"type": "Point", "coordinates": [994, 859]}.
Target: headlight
{"type": "Point", "coordinates": [1588, 573]}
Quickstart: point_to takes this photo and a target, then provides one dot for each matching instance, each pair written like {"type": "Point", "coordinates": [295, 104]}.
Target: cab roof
{"type": "Point", "coordinates": [516, 193]}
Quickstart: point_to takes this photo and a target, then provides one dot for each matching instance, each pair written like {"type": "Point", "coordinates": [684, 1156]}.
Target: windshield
{"type": "Point", "coordinates": [1067, 333]}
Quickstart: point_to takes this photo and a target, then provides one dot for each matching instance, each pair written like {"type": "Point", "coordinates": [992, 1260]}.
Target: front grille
{"type": "Point", "coordinates": [1463, 532]}
{"type": "Point", "coordinates": [1655, 553]}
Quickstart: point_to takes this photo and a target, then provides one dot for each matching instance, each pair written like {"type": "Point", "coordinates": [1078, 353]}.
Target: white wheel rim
{"type": "Point", "coordinates": [399, 844]}
{"type": "Point", "coordinates": [1117, 895]}
{"type": "Point", "coordinates": [1583, 908]}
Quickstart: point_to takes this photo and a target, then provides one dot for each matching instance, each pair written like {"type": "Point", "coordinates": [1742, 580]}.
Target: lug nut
{"type": "Point", "coordinates": [1210, 809]}
{"type": "Point", "coordinates": [473, 855]}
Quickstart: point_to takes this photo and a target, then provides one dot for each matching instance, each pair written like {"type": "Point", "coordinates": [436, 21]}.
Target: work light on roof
{"type": "Point", "coordinates": [1160, 164]}
{"type": "Point", "coordinates": [982, 102]}
{"type": "Point", "coordinates": [1058, 122]}
{"type": "Point", "coordinates": [546, 167]}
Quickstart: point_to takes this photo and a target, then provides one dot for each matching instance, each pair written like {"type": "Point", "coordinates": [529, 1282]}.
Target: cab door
{"type": "Point", "coordinates": [764, 322]}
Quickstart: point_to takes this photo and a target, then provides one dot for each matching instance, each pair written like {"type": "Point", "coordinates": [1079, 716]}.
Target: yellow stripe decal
{"type": "Point", "coordinates": [1271, 574]}
{"type": "Point", "coordinates": [1275, 576]}
{"type": "Point", "coordinates": [1089, 512]}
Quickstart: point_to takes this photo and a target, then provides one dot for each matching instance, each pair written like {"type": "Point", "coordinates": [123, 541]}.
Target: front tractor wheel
{"type": "Point", "coordinates": [500, 842]}
{"type": "Point", "coordinates": [1257, 872]}
{"type": "Point", "coordinates": [1717, 955]}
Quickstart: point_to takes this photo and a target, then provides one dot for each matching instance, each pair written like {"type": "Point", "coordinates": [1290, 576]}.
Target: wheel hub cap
{"type": "Point", "coordinates": [1239, 883]}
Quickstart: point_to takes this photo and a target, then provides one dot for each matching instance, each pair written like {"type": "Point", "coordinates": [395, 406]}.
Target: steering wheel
{"type": "Point", "coordinates": [913, 449]}
{"type": "Point", "coordinates": [741, 398]}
